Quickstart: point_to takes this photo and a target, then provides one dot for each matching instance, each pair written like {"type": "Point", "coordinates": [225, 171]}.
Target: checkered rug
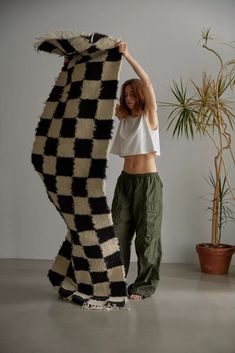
{"type": "Point", "coordinates": [70, 154]}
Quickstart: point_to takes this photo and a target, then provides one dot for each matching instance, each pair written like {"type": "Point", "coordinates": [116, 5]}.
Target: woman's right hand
{"type": "Point", "coordinates": [123, 48]}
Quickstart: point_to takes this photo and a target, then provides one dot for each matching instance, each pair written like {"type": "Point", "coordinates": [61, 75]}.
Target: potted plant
{"type": "Point", "coordinates": [209, 111]}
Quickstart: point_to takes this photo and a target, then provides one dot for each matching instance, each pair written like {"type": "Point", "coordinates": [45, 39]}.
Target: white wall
{"type": "Point", "coordinates": [163, 36]}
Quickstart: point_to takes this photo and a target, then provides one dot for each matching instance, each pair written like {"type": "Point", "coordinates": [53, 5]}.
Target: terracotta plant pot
{"type": "Point", "coordinates": [215, 260]}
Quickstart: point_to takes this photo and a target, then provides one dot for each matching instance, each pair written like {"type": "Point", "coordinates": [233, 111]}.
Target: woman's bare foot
{"type": "Point", "coordinates": [135, 297]}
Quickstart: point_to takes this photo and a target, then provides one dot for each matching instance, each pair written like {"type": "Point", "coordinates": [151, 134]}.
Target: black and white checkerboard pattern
{"type": "Point", "coordinates": [70, 154]}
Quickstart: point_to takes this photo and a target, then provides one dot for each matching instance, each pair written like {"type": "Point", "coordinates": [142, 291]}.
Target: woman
{"type": "Point", "coordinates": [137, 202]}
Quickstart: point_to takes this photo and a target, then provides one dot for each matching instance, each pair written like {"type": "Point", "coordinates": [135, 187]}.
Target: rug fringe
{"type": "Point", "coordinates": [58, 34]}
{"type": "Point", "coordinates": [74, 36]}
{"type": "Point", "coordinates": [93, 304]}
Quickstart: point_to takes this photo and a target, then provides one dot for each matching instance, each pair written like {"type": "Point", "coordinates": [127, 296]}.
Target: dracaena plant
{"type": "Point", "coordinates": [225, 204]}
{"type": "Point", "coordinates": [209, 111]}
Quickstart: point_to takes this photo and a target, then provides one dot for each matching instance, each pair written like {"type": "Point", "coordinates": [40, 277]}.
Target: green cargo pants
{"type": "Point", "coordinates": [137, 208]}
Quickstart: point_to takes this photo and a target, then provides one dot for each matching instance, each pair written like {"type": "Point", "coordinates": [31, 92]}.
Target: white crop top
{"type": "Point", "coordinates": [135, 137]}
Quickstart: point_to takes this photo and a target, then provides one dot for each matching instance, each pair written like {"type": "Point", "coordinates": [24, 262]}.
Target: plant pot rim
{"type": "Point", "coordinates": [220, 247]}
{"type": "Point", "coordinates": [209, 249]}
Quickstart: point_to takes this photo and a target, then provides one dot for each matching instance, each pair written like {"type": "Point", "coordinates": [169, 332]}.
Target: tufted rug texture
{"type": "Point", "coordinates": [70, 153]}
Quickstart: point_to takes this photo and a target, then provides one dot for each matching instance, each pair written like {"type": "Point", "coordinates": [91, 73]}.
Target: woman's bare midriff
{"type": "Point", "coordinates": [140, 163]}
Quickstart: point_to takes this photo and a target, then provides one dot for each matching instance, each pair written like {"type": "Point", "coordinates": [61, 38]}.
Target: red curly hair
{"type": "Point", "coordinates": [138, 91]}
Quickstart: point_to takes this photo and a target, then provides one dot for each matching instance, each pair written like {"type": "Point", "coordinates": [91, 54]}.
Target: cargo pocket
{"type": "Point", "coordinates": [152, 211]}
{"type": "Point", "coordinates": [120, 209]}
{"type": "Point", "coordinates": [152, 232]}
{"type": "Point", "coordinates": [124, 211]}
